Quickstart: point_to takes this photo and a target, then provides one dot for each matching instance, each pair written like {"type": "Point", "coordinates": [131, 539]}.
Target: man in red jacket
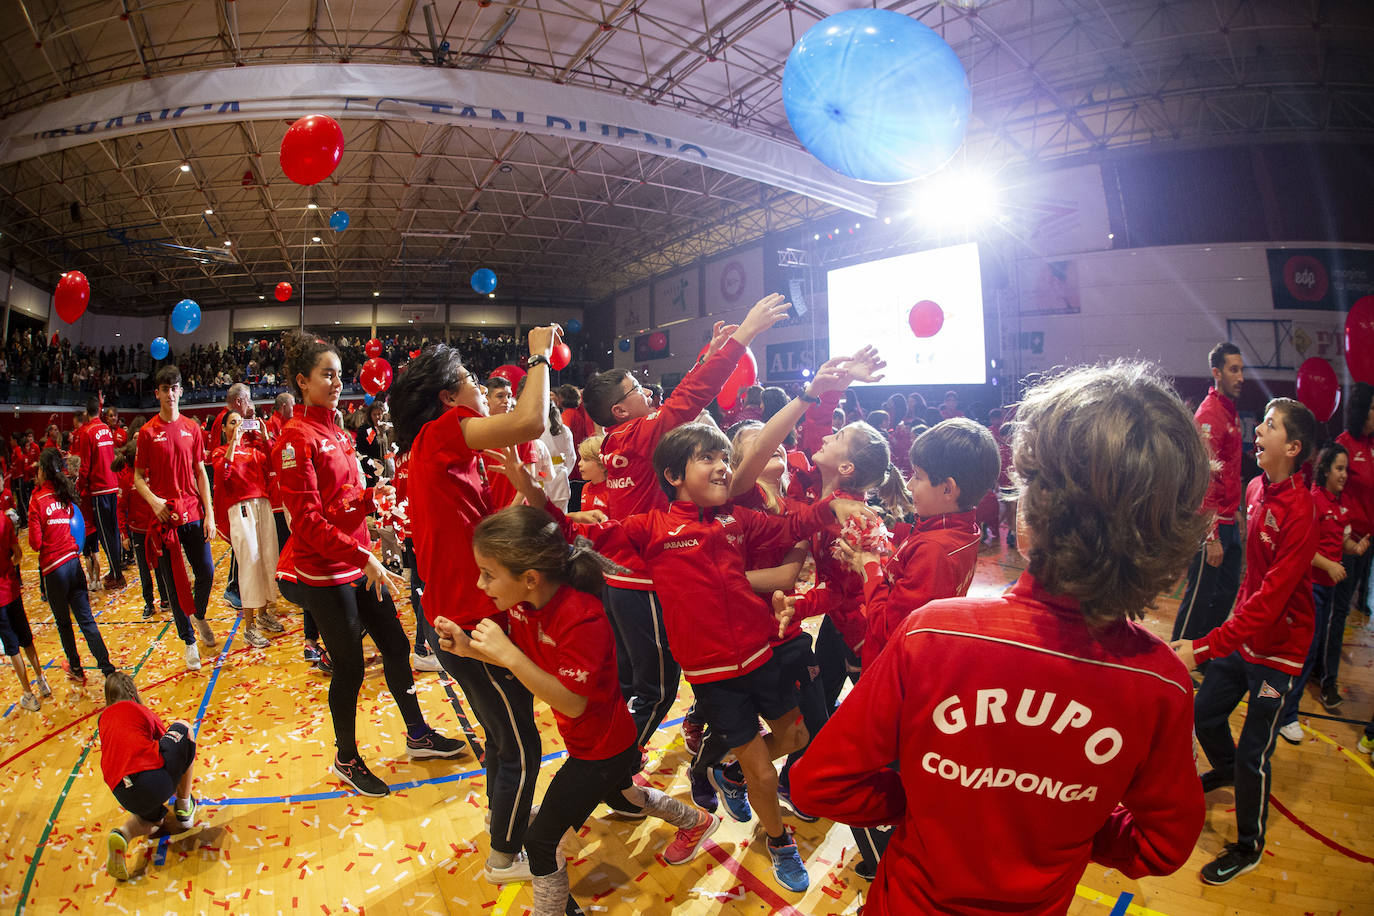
{"type": "Point", "coordinates": [1042, 728]}
{"type": "Point", "coordinates": [1214, 574]}
{"type": "Point", "coordinates": [1259, 652]}
{"type": "Point", "coordinates": [615, 400]}
{"type": "Point", "coordinates": [97, 482]}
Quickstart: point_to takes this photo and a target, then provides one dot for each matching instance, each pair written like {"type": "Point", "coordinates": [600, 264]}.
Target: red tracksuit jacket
{"type": "Point", "coordinates": [627, 453]}
{"type": "Point", "coordinates": [718, 627]}
{"type": "Point", "coordinates": [935, 561]}
{"type": "Point", "coordinates": [1333, 524]}
{"type": "Point", "coordinates": [1028, 742]}
{"type": "Point", "coordinates": [1358, 495]}
{"type": "Point", "coordinates": [50, 529]}
{"type": "Point", "coordinates": [1216, 417]}
{"type": "Point", "coordinates": [1274, 617]}
{"type": "Point", "coordinates": [326, 503]}
{"type": "Point", "coordinates": [95, 446]}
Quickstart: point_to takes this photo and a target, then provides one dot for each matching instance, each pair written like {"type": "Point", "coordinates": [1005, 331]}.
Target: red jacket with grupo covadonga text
{"type": "Point", "coordinates": [326, 502]}
{"type": "Point", "coordinates": [1220, 424]}
{"type": "Point", "coordinates": [1024, 738]}
{"type": "Point", "coordinates": [936, 561]}
{"type": "Point", "coordinates": [1274, 618]}
{"type": "Point", "coordinates": [50, 529]}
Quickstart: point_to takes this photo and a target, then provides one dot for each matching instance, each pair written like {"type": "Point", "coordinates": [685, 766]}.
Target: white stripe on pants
{"type": "Point", "coordinates": [253, 536]}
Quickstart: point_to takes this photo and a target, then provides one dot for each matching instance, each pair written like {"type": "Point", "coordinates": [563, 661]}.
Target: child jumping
{"type": "Point", "coordinates": [1044, 716]}
{"type": "Point", "coordinates": [144, 764]}
{"type": "Point", "coordinates": [558, 646]}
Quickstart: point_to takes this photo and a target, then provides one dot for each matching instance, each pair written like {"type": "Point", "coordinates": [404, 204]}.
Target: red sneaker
{"type": "Point", "coordinates": [77, 677]}
{"type": "Point", "coordinates": [687, 843]}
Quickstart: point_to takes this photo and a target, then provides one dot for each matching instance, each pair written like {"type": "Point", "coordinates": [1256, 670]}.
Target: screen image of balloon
{"type": "Point", "coordinates": [923, 311]}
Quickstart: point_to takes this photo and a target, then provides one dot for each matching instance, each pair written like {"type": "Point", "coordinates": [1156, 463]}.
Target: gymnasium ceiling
{"type": "Point", "coordinates": [567, 218]}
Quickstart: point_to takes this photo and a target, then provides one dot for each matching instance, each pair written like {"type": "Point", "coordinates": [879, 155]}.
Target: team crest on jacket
{"type": "Point", "coordinates": [288, 457]}
{"type": "Point", "coordinates": [1270, 521]}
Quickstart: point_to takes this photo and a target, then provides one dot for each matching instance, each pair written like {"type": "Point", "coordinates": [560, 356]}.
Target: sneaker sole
{"type": "Point", "coordinates": [356, 788]}
{"type": "Point", "coordinates": [786, 804]}
{"type": "Point", "coordinates": [115, 863]}
{"type": "Point", "coordinates": [427, 753]}
{"type": "Point", "coordinates": [716, 821]}
{"type": "Point", "coordinates": [785, 886]}
{"type": "Point", "coordinates": [721, 792]}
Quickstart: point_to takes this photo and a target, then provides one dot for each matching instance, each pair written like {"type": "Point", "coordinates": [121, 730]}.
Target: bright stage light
{"type": "Point", "coordinates": [958, 200]}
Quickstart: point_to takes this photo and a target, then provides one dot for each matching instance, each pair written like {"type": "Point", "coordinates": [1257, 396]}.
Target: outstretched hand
{"type": "Point", "coordinates": [767, 312]}
{"type": "Point", "coordinates": [784, 609]}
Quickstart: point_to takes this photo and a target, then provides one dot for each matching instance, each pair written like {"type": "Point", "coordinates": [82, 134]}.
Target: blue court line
{"type": "Point", "coordinates": [219, 664]}
{"type": "Point", "coordinates": [1123, 903]}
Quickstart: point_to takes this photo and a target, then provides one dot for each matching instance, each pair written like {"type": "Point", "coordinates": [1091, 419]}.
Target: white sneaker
{"type": "Point", "coordinates": [207, 635]}
{"type": "Point", "coordinates": [267, 622]}
{"type": "Point", "coordinates": [255, 639]}
{"type": "Point", "coordinates": [192, 658]}
{"type": "Point", "coordinates": [41, 683]}
{"type": "Point", "coordinates": [425, 662]}
{"type": "Point", "coordinates": [30, 702]}
{"type": "Point", "coordinates": [518, 870]}
{"type": "Point", "coordinates": [1292, 732]}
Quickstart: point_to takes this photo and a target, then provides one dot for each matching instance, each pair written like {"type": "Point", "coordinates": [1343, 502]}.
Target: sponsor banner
{"type": "Point", "coordinates": [1066, 210]}
{"type": "Point", "coordinates": [794, 361]}
{"type": "Point", "coordinates": [733, 282]}
{"type": "Point", "coordinates": [1320, 279]}
{"type": "Point", "coordinates": [677, 297]}
{"type": "Point", "coordinates": [1048, 287]}
{"type": "Point", "coordinates": [632, 311]}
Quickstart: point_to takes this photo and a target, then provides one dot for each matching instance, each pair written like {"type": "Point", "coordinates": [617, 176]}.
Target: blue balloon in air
{"type": "Point", "coordinates": [573, 325]}
{"type": "Point", "coordinates": [338, 220]}
{"type": "Point", "coordinates": [78, 524]}
{"type": "Point", "coordinates": [624, 345]}
{"type": "Point", "coordinates": [185, 316]}
{"type": "Point", "coordinates": [877, 96]}
{"type": "Point", "coordinates": [159, 348]}
{"type": "Point", "coordinates": [484, 280]}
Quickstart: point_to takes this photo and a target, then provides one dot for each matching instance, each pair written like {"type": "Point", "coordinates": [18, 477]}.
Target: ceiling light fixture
{"type": "Point", "coordinates": [314, 238]}
{"type": "Point", "coordinates": [312, 206]}
{"type": "Point", "coordinates": [375, 294]}
{"type": "Point", "coordinates": [209, 211]}
{"type": "Point", "coordinates": [186, 166]}
{"type": "Point", "coordinates": [227, 243]}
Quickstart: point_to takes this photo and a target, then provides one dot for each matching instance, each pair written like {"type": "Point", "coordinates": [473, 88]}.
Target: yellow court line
{"type": "Point", "coordinates": [1360, 759]}
{"type": "Point", "coordinates": [1109, 901]}
{"type": "Point", "coordinates": [505, 899]}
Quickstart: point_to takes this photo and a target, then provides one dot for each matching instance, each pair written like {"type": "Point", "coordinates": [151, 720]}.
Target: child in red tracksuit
{"type": "Point", "coordinates": [594, 495]}
{"type": "Point", "coordinates": [1259, 651]}
{"type": "Point", "coordinates": [1040, 729]}
{"type": "Point", "coordinates": [558, 645]}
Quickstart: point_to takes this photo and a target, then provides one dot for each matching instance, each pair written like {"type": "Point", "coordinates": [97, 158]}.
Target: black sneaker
{"type": "Point", "coordinates": [1331, 698]}
{"type": "Point", "coordinates": [357, 775]}
{"type": "Point", "coordinates": [1234, 861]}
{"type": "Point", "coordinates": [147, 612]}
{"type": "Point", "coordinates": [433, 744]}
{"type": "Point", "coordinates": [1213, 780]}
{"type": "Point", "coordinates": [866, 869]}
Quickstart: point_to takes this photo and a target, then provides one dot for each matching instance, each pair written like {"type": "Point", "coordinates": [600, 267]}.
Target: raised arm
{"type": "Point", "coordinates": [531, 414]}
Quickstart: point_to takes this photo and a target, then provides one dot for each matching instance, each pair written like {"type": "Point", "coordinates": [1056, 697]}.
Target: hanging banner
{"type": "Point", "coordinates": [677, 297]}
{"type": "Point", "coordinates": [1320, 279]}
{"type": "Point", "coordinates": [430, 95]}
{"type": "Point", "coordinates": [632, 311]}
{"type": "Point", "coordinates": [733, 282]}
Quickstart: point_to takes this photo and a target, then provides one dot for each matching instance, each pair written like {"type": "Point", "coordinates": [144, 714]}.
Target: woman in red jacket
{"type": "Point", "coordinates": [240, 469]}
{"type": "Point", "coordinates": [59, 560]}
{"type": "Point", "coordinates": [345, 588]}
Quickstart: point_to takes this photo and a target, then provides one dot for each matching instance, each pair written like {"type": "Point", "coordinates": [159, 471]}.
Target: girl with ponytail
{"type": "Point", "coordinates": [557, 644]}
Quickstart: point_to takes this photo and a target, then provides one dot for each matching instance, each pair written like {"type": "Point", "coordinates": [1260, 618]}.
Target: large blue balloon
{"type": "Point", "coordinates": [159, 348]}
{"type": "Point", "coordinates": [876, 96]}
{"type": "Point", "coordinates": [185, 316]}
{"type": "Point", "coordinates": [624, 345]}
{"type": "Point", "coordinates": [338, 220]}
{"type": "Point", "coordinates": [573, 326]}
{"type": "Point", "coordinates": [78, 524]}
{"type": "Point", "coordinates": [484, 280]}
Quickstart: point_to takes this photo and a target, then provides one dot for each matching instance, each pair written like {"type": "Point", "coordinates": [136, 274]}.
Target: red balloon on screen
{"type": "Point", "coordinates": [72, 295]}
{"type": "Point", "coordinates": [658, 341]}
{"type": "Point", "coordinates": [1319, 388]}
{"type": "Point", "coordinates": [283, 291]}
{"type": "Point", "coordinates": [926, 318]}
{"type": "Point", "coordinates": [373, 348]}
{"type": "Point", "coordinates": [560, 357]}
{"type": "Point", "coordinates": [311, 149]}
{"type": "Point", "coordinates": [1359, 340]}
{"type": "Point", "coordinates": [376, 375]}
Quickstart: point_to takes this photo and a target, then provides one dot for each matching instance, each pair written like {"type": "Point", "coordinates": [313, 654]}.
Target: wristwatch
{"type": "Point", "coordinates": [808, 398]}
{"type": "Point", "coordinates": [536, 359]}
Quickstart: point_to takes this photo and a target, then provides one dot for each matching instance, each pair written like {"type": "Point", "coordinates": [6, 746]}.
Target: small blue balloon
{"type": "Point", "coordinates": [369, 398]}
{"type": "Point", "coordinates": [484, 280]}
{"type": "Point", "coordinates": [338, 220]}
{"type": "Point", "coordinates": [877, 96]}
{"type": "Point", "coordinates": [159, 348]}
{"type": "Point", "coordinates": [574, 325]}
{"type": "Point", "coordinates": [78, 524]}
{"type": "Point", "coordinates": [624, 345]}
{"type": "Point", "coordinates": [185, 316]}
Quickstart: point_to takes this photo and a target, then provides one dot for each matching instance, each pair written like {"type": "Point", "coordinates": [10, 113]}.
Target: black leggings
{"type": "Point", "coordinates": [342, 612]}
{"type": "Point", "coordinates": [573, 794]}
{"type": "Point", "coordinates": [145, 575]}
{"type": "Point", "coordinates": [505, 710]}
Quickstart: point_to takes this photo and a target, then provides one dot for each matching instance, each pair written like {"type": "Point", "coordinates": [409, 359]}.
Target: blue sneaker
{"type": "Point", "coordinates": [734, 794]}
{"type": "Point", "coordinates": [232, 599]}
{"type": "Point", "coordinates": [703, 793]}
{"type": "Point", "coordinates": [788, 867]}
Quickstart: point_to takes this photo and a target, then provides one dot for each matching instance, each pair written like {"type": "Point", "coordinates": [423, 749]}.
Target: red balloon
{"type": "Point", "coordinates": [72, 295]}
{"type": "Point", "coordinates": [1319, 388]}
{"type": "Point", "coordinates": [311, 149]}
{"type": "Point", "coordinates": [926, 318]}
{"type": "Point", "coordinates": [376, 375]}
{"type": "Point", "coordinates": [264, 345]}
{"type": "Point", "coordinates": [658, 341]}
{"type": "Point", "coordinates": [1359, 340]}
{"type": "Point", "coordinates": [283, 291]}
{"type": "Point", "coordinates": [373, 348]}
{"type": "Point", "coordinates": [746, 372]}
{"type": "Point", "coordinates": [560, 357]}
{"type": "Point", "coordinates": [510, 373]}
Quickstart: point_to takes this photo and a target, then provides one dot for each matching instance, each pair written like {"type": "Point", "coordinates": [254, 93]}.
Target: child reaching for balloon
{"type": "Point", "coordinates": [558, 645]}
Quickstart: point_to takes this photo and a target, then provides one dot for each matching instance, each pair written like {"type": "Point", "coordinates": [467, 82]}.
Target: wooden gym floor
{"type": "Point", "coordinates": [281, 835]}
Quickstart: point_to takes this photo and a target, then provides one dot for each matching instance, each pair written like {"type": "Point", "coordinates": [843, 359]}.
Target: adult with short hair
{"type": "Point", "coordinates": [97, 483]}
{"type": "Point", "coordinates": [1214, 574]}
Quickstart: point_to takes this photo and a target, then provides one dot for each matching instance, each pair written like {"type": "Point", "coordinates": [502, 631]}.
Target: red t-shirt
{"type": "Point", "coordinates": [9, 573]}
{"type": "Point", "coordinates": [594, 497]}
{"type": "Point", "coordinates": [571, 639]}
{"type": "Point", "coordinates": [169, 455]}
{"type": "Point", "coordinates": [453, 482]}
{"type": "Point", "coordinates": [129, 733]}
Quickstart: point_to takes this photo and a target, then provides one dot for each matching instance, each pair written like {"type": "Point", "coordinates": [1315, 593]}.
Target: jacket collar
{"type": "Point", "coordinates": [322, 416]}
{"type": "Point", "coordinates": [960, 520]}
{"type": "Point", "coordinates": [1226, 403]}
